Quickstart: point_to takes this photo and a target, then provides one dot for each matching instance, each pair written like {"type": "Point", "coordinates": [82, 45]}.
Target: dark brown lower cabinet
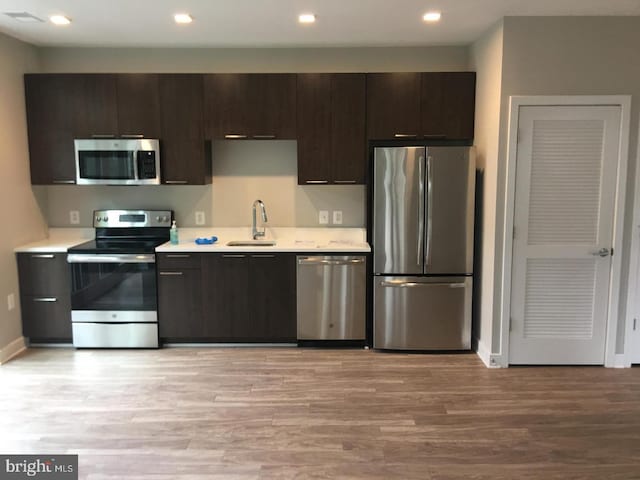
{"type": "Point", "coordinates": [250, 297]}
{"type": "Point", "coordinates": [46, 319]}
{"type": "Point", "coordinates": [180, 297]}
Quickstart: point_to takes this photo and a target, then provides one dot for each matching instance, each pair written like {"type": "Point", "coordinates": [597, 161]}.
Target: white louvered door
{"type": "Point", "coordinates": [565, 195]}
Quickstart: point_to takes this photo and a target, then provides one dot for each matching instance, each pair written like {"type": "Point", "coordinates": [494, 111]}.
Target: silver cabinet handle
{"type": "Point", "coordinates": [421, 284]}
{"type": "Point", "coordinates": [420, 211]}
{"type": "Point", "coordinates": [264, 137]}
{"type": "Point", "coordinates": [132, 135]}
{"type": "Point", "coordinates": [64, 182]}
{"type": "Point", "coordinates": [234, 136]}
{"type": "Point", "coordinates": [43, 255]}
{"type": "Point", "coordinates": [233, 256]}
{"type": "Point", "coordinates": [108, 258]}
{"type": "Point", "coordinates": [175, 182]}
{"type": "Point", "coordinates": [405, 135]}
{"type": "Point", "coordinates": [103, 135]}
{"type": "Point", "coordinates": [603, 252]}
{"type": "Point", "coordinates": [344, 181]}
{"type": "Point", "coordinates": [263, 256]}
{"type": "Point", "coordinates": [435, 135]}
{"type": "Point", "coordinates": [316, 181]}
{"type": "Point", "coordinates": [178, 255]}
{"type": "Point", "coordinates": [170, 274]}
{"type": "Point", "coordinates": [45, 299]}
{"type": "Point", "coordinates": [427, 260]}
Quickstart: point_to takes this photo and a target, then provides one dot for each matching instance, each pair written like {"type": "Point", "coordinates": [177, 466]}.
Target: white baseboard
{"type": "Point", "coordinates": [620, 361]}
{"type": "Point", "coordinates": [11, 350]}
{"type": "Point", "coordinates": [483, 352]}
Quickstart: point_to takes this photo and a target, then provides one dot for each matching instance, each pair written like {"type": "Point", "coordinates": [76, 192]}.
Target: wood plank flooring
{"type": "Point", "coordinates": [285, 413]}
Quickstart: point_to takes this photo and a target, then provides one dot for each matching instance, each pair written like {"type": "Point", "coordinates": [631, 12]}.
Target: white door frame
{"type": "Point", "coordinates": [634, 268]}
{"type": "Point", "coordinates": [515, 102]}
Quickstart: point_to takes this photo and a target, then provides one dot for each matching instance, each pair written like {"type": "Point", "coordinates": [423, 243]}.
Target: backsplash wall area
{"type": "Point", "coordinates": [243, 171]}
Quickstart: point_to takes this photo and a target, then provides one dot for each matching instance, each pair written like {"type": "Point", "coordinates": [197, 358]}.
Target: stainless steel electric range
{"type": "Point", "coordinates": [114, 292]}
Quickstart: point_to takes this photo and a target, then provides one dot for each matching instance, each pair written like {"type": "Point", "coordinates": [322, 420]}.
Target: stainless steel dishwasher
{"type": "Point", "coordinates": [331, 297]}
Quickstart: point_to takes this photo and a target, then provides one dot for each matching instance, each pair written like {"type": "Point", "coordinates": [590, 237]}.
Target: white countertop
{"type": "Point", "coordinates": [58, 241]}
{"type": "Point", "coordinates": [287, 239]}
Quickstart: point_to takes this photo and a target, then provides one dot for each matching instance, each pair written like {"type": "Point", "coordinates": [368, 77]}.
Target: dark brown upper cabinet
{"type": "Point", "coordinates": [185, 155]}
{"type": "Point", "coordinates": [138, 105]}
{"type": "Point", "coordinates": [331, 129]}
{"type": "Point", "coordinates": [393, 105]}
{"type": "Point", "coordinates": [448, 105]}
{"type": "Point", "coordinates": [433, 105]}
{"type": "Point", "coordinates": [53, 116]}
{"type": "Point", "coordinates": [96, 104]}
{"type": "Point", "coordinates": [250, 106]}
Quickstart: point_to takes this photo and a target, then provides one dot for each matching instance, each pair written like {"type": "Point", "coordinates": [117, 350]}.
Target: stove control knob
{"type": "Point", "coordinates": [165, 219]}
{"type": "Point", "coordinates": [98, 219]}
{"type": "Point", "coordinates": [158, 218]}
{"type": "Point", "coordinates": [105, 219]}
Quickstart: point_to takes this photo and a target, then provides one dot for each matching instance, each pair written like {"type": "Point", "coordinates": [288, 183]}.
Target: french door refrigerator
{"type": "Point", "coordinates": [422, 233]}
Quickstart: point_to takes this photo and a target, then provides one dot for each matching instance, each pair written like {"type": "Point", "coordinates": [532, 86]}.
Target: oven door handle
{"type": "Point", "coordinates": [109, 258]}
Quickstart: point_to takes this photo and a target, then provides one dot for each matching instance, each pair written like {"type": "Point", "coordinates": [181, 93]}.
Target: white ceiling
{"type": "Point", "coordinates": [243, 23]}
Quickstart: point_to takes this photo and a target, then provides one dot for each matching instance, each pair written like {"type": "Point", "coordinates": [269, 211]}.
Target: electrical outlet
{"type": "Point", "coordinates": [337, 217]}
{"type": "Point", "coordinates": [323, 217]}
{"type": "Point", "coordinates": [74, 217]}
{"type": "Point", "coordinates": [11, 301]}
{"type": "Point", "coordinates": [199, 218]}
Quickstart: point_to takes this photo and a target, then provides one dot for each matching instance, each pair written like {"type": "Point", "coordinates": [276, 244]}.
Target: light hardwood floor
{"type": "Point", "coordinates": [261, 413]}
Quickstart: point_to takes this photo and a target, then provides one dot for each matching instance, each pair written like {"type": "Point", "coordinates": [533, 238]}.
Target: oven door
{"type": "Point", "coordinates": [114, 300]}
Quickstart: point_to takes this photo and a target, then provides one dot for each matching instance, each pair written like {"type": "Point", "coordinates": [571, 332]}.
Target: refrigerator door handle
{"type": "Point", "coordinates": [421, 284]}
{"type": "Point", "coordinates": [420, 211]}
{"type": "Point", "coordinates": [427, 260]}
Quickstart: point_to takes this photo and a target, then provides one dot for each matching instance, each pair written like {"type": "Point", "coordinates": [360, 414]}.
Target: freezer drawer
{"type": "Point", "coordinates": [422, 313]}
{"type": "Point", "coordinates": [331, 297]}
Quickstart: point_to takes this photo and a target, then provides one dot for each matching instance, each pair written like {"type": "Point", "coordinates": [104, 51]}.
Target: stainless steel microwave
{"type": "Point", "coordinates": [117, 161]}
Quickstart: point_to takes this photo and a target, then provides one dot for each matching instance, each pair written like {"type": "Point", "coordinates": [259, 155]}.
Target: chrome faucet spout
{"type": "Point", "coordinates": [263, 213]}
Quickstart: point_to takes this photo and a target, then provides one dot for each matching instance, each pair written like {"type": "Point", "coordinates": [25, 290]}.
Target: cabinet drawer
{"type": "Point", "coordinates": [46, 318]}
{"type": "Point", "coordinates": [43, 274]}
{"type": "Point", "coordinates": [178, 260]}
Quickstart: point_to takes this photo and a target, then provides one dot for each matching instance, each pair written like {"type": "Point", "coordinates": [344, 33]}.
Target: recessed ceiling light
{"type": "Point", "coordinates": [307, 18]}
{"type": "Point", "coordinates": [182, 18]}
{"type": "Point", "coordinates": [432, 16]}
{"type": "Point", "coordinates": [59, 20]}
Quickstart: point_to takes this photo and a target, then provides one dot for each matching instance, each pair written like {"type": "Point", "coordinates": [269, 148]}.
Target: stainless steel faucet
{"type": "Point", "coordinates": [259, 234]}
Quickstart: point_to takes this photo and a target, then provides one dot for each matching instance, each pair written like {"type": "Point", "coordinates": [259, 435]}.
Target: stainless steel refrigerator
{"type": "Point", "coordinates": [423, 213]}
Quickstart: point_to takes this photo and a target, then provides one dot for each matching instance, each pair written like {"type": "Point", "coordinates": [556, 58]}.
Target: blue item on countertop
{"type": "Point", "coordinates": [206, 241]}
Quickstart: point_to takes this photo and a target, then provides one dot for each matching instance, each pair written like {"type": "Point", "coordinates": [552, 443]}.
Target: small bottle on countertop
{"type": "Point", "coordinates": [173, 234]}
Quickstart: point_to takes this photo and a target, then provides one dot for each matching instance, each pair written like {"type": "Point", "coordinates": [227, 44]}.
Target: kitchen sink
{"type": "Point", "coordinates": [251, 243]}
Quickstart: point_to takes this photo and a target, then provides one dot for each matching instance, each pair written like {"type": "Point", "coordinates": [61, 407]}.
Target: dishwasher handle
{"type": "Point", "coordinates": [321, 261]}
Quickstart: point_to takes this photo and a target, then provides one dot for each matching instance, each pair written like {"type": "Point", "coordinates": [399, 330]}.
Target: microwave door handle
{"type": "Point", "coordinates": [136, 167]}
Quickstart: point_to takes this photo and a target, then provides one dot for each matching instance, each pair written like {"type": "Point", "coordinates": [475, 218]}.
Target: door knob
{"type": "Point", "coordinates": [603, 252]}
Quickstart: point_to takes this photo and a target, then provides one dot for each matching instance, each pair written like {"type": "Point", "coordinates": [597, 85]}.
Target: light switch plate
{"type": "Point", "coordinates": [323, 217]}
{"type": "Point", "coordinates": [74, 217]}
{"type": "Point", "coordinates": [337, 217]}
{"type": "Point", "coordinates": [199, 218]}
{"type": "Point", "coordinates": [11, 301]}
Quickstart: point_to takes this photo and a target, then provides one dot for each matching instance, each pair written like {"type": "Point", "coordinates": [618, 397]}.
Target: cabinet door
{"type": "Point", "coordinates": [180, 303]}
{"type": "Point", "coordinates": [227, 105]}
{"type": "Point", "coordinates": [348, 138]}
{"type": "Point", "coordinates": [274, 99]}
{"type": "Point", "coordinates": [46, 318]}
{"type": "Point", "coordinates": [98, 106]}
{"type": "Point", "coordinates": [138, 105]}
{"type": "Point", "coordinates": [272, 284]}
{"type": "Point", "coordinates": [393, 105]}
{"type": "Point", "coordinates": [53, 107]}
{"type": "Point", "coordinates": [185, 156]}
{"type": "Point", "coordinates": [225, 281]}
{"type": "Point", "coordinates": [43, 274]}
{"type": "Point", "coordinates": [448, 105]}
{"type": "Point", "coordinates": [314, 128]}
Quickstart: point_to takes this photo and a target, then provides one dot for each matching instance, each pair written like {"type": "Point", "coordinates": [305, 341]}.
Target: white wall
{"type": "Point", "coordinates": [242, 171]}
{"type": "Point", "coordinates": [21, 219]}
{"type": "Point", "coordinates": [486, 60]}
{"type": "Point", "coordinates": [570, 56]}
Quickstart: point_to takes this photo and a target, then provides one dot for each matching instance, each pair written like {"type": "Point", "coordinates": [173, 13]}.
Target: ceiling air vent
{"type": "Point", "coordinates": [24, 17]}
